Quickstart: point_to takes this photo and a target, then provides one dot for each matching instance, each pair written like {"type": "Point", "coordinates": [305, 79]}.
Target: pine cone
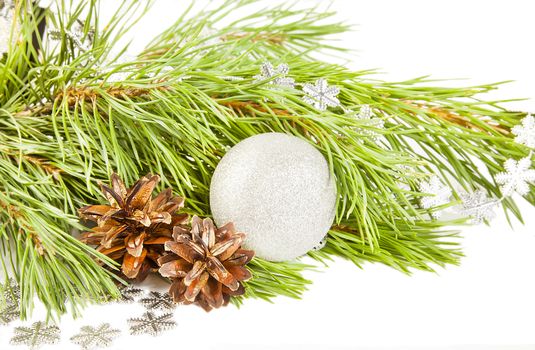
{"type": "Point", "coordinates": [134, 226]}
{"type": "Point", "coordinates": [206, 264]}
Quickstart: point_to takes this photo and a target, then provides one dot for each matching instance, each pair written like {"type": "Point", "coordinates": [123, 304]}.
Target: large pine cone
{"type": "Point", "coordinates": [133, 228]}
{"type": "Point", "coordinates": [206, 264]}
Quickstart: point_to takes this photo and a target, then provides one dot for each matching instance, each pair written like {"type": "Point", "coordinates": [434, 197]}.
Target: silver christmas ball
{"type": "Point", "coordinates": [277, 189]}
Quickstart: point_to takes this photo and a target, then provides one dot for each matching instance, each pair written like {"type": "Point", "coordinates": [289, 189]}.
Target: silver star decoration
{"type": "Point", "coordinates": [36, 335]}
{"type": "Point", "coordinates": [151, 324]}
{"type": "Point", "coordinates": [516, 177]}
{"type": "Point", "coordinates": [437, 194]}
{"type": "Point", "coordinates": [321, 244]}
{"type": "Point", "coordinates": [129, 293]}
{"type": "Point", "coordinates": [10, 312]}
{"type": "Point", "coordinates": [158, 301]}
{"type": "Point", "coordinates": [478, 206]}
{"type": "Point", "coordinates": [95, 337]}
{"type": "Point", "coordinates": [525, 133]}
{"type": "Point", "coordinates": [276, 76]}
{"type": "Point", "coordinates": [321, 95]}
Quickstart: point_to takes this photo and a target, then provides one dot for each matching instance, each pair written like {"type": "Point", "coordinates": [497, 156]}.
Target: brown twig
{"type": "Point", "coordinates": [458, 119]}
{"type": "Point", "coordinates": [86, 94]}
{"type": "Point", "coordinates": [14, 212]}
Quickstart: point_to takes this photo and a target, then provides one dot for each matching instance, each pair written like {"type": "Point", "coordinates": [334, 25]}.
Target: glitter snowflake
{"type": "Point", "coordinates": [129, 293]}
{"type": "Point", "coordinates": [95, 337]}
{"type": "Point", "coordinates": [516, 177]}
{"type": "Point", "coordinates": [478, 206]}
{"type": "Point", "coordinates": [12, 292]}
{"type": "Point", "coordinates": [525, 133]}
{"type": "Point", "coordinates": [276, 76]}
{"type": "Point", "coordinates": [8, 313]}
{"type": "Point", "coordinates": [437, 194]}
{"type": "Point", "coordinates": [151, 324]}
{"type": "Point", "coordinates": [367, 116]}
{"type": "Point", "coordinates": [321, 95]}
{"type": "Point", "coordinates": [36, 335]}
{"type": "Point", "coordinates": [158, 301]}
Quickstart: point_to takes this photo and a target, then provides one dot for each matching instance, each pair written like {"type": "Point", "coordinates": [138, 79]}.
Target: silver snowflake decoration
{"type": "Point", "coordinates": [12, 292]}
{"type": "Point", "coordinates": [129, 293]}
{"type": "Point", "coordinates": [478, 206]}
{"type": "Point", "coordinates": [516, 177]}
{"type": "Point", "coordinates": [367, 116]}
{"type": "Point", "coordinates": [321, 244]}
{"type": "Point", "coordinates": [437, 194]}
{"type": "Point", "coordinates": [277, 76]}
{"type": "Point", "coordinates": [8, 313]}
{"type": "Point", "coordinates": [151, 324]}
{"type": "Point", "coordinates": [95, 337]}
{"type": "Point", "coordinates": [158, 301]}
{"type": "Point", "coordinates": [36, 335]}
{"type": "Point", "coordinates": [525, 133]}
{"type": "Point", "coordinates": [321, 95]}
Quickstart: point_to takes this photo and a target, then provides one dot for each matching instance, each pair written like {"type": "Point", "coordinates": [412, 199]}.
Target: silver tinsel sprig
{"type": "Point", "coordinates": [36, 335]}
{"type": "Point", "coordinates": [95, 337]}
{"type": "Point", "coordinates": [151, 324]}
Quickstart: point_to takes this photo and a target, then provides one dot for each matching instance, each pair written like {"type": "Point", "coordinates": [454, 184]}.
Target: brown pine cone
{"type": "Point", "coordinates": [206, 264]}
{"type": "Point", "coordinates": [134, 226]}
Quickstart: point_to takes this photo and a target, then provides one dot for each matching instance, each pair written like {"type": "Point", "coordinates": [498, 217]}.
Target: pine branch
{"type": "Point", "coordinates": [66, 124]}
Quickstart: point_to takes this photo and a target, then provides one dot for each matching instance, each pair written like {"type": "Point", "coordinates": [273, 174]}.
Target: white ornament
{"type": "Point", "coordinates": [277, 189]}
{"type": "Point", "coordinates": [437, 194]}
{"type": "Point", "coordinates": [516, 177]}
{"type": "Point", "coordinates": [321, 95]}
{"type": "Point", "coordinates": [525, 133]}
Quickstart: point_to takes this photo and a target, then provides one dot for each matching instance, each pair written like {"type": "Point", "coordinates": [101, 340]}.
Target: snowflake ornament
{"type": "Point", "coordinates": [95, 337]}
{"type": "Point", "coordinates": [321, 95]}
{"type": "Point", "coordinates": [525, 133]}
{"type": "Point", "coordinates": [437, 194]}
{"type": "Point", "coordinates": [276, 76]}
{"type": "Point", "coordinates": [516, 177]}
{"type": "Point", "coordinates": [129, 293]}
{"type": "Point", "coordinates": [367, 116]}
{"type": "Point", "coordinates": [12, 292]}
{"type": "Point", "coordinates": [36, 335]}
{"type": "Point", "coordinates": [151, 324]}
{"type": "Point", "coordinates": [9, 313]}
{"type": "Point", "coordinates": [478, 206]}
{"type": "Point", "coordinates": [158, 301]}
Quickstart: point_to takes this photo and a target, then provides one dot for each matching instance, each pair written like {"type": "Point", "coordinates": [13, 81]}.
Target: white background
{"type": "Point", "coordinates": [489, 299]}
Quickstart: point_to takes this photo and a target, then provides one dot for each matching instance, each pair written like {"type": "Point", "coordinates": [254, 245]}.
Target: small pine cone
{"type": "Point", "coordinates": [206, 265]}
{"type": "Point", "coordinates": [133, 228]}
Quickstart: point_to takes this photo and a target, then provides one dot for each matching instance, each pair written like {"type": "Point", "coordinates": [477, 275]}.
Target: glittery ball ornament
{"type": "Point", "coordinates": [277, 189]}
